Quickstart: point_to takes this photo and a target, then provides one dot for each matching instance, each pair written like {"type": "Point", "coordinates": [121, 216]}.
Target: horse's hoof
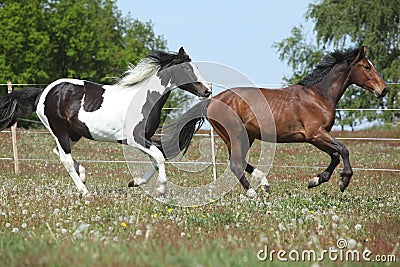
{"type": "Point", "coordinates": [137, 182]}
{"type": "Point", "coordinates": [266, 188]}
{"type": "Point", "coordinates": [251, 193]}
{"type": "Point", "coordinates": [160, 191]}
{"type": "Point", "coordinates": [84, 193]}
{"type": "Point", "coordinates": [342, 186]}
{"type": "Point", "coordinates": [313, 182]}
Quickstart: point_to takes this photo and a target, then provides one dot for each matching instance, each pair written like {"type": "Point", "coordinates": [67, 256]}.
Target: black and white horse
{"type": "Point", "coordinates": [127, 112]}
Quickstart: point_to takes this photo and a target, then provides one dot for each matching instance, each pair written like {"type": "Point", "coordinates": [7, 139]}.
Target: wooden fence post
{"type": "Point", "coordinates": [14, 137]}
{"type": "Point", "coordinates": [214, 163]}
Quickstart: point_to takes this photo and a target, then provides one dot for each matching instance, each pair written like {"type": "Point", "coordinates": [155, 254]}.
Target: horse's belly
{"type": "Point", "coordinates": [103, 126]}
{"type": "Point", "coordinates": [107, 122]}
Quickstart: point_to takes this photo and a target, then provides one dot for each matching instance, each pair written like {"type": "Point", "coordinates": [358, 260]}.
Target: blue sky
{"type": "Point", "coordinates": [239, 34]}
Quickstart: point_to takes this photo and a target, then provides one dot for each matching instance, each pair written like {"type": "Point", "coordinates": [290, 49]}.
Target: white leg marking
{"type": "Point", "coordinates": [68, 162]}
{"type": "Point", "coordinates": [82, 173]}
{"type": "Point", "coordinates": [313, 182]}
{"type": "Point", "coordinates": [251, 193]}
{"type": "Point", "coordinates": [159, 160]}
{"type": "Point", "coordinates": [55, 151]}
{"type": "Point", "coordinates": [82, 170]}
{"type": "Point", "coordinates": [259, 175]}
{"type": "Point", "coordinates": [146, 176]}
{"type": "Point", "coordinates": [162, 177]}
{"type": "Point", "coordinates": [262, 178]}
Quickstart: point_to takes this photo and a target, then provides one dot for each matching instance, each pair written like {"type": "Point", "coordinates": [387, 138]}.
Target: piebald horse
{"type": "Point", "coordinates": [127, 112]}
{"type": "Point", "coordinates": [304, 112]}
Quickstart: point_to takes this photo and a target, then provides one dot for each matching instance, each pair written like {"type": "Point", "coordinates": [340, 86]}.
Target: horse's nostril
{"type": "Point", "coordinates": [384, 92]}
{"type": "Point", "coordinates": [208, 92]}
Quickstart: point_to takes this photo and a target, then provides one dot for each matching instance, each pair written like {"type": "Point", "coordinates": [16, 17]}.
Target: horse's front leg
{"type": "Point", "coordinates": [158, 156]}
{"type": "Point", "coordinates": [145, 178]}
{"type": "Point", "coordinates": [328, 144]}
{"type": "Point", "coordinates": [347, 172]}
{"type": "Point", "coordinates": [325, 175]}
{"type": "Point", "coordinates": [158, 162]}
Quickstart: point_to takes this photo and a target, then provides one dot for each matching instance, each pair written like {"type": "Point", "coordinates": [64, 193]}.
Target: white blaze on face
{"type": "Point", "coordinates": [369, 61]}
{"type": "Point", "coordinates": [199, 77]}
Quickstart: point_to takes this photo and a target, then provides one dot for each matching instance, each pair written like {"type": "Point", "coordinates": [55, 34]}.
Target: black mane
{"type": "Point", "coordinates": [158, 60]}
{"type": "Point", "coordinates": [326, 64]}
{"type": "Point", "coordinates": [164, 59]}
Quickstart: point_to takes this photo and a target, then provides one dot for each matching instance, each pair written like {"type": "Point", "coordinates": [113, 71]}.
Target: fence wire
{"type": "Point", "coordinates": [214, 163]}
{"type": "Point", "coordinates": [212, 139]}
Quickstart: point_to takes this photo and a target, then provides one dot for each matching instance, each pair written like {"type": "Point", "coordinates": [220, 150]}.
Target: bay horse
{"type": "Point", "coordinates": [71, 109]}
{"type": "Point", "coordinates": [304, 112]}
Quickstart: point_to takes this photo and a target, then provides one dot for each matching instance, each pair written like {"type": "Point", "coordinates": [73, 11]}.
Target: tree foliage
{"type": "Point", "coordinates": [43, 40]}
{"type": "Point", "coordinates": [342, 23]}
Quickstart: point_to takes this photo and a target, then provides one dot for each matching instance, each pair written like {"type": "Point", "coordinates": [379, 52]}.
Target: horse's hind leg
{"type": "Point", "coordinates": [257, 174]}
{"type": "Point", "coordinates": [78, 167]}
{"type": "Point", "coordinates": [64, 144]}
{"type": "Point", "coordinates": [237, 164]}
{"type": "Point", "coordinates": [260, 176]}
{"type": "Point", "coordinates": [239, 148]}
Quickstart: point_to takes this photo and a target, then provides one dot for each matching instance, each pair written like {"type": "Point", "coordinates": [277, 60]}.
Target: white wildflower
{"type": "Point", "coordinates": [351, 244]}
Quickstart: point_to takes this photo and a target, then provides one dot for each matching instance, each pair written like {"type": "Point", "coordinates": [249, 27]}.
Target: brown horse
{"type": "Point", "coordinates": [304, 112]}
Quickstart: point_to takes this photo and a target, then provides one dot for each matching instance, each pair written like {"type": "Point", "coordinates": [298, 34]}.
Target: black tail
{"type": "Point", "coordinates": [176, 137]}
{"type": "Point", "coordinates": [18, 104]}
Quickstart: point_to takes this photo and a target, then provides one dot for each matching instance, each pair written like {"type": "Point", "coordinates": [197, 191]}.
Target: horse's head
{"type": "Point", "coordinates": [364, 74]}
{"type": "Point", "coordinates": [183, 73]}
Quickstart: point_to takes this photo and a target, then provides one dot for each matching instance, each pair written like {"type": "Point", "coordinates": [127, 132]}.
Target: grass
{"type": "Point", "coordinates": [44, 222]}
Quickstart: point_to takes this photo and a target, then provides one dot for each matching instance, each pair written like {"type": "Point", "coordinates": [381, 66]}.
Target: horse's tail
{"type": "Point", "coordinates": [18, 104]}
{"type": "Point", "coordinates": [176, 137]}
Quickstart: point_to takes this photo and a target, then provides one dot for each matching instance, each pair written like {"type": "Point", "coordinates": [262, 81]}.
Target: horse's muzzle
{"type": "Point", "coordinates": [207, 93]}
{"type": "Point", "coordinates": [381, 94]}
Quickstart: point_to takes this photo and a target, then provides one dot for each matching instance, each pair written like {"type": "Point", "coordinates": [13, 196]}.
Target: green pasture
{"type": "Point", "coordinates": [44, 222]}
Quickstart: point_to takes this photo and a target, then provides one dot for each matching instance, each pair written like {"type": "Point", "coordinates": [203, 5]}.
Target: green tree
{"type": "Point", "coordinates": [85, 36]}
{"type": "Point", "coordinates": [43, 40]}
{"type": "Point", "coordinates": [24, 42]}
{"type": "Point", "coordinates": [343, 23]}
{"type": "Point", "coordinates": [139, 39]}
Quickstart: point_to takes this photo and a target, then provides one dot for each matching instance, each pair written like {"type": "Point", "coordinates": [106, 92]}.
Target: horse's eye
{"type": "Point", "coordinates": [367, 68]}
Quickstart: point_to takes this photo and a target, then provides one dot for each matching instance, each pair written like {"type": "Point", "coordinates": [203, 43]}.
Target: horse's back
{"type": "Point", "coordinates": [243, 109]}
{"type": "Point", "coordinates": [288, 112]}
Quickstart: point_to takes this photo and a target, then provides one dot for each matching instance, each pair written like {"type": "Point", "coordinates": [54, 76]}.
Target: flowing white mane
{"type": "Point", "coordinates": [144, 69]}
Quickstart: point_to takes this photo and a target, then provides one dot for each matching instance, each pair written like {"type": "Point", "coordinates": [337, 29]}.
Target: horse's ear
{"type": "Point", "coordinates": [182, 52]}
{"type": "Point", "coordinates": [182, 56]}
{"type": "Point", "coordinates": [361, 53]}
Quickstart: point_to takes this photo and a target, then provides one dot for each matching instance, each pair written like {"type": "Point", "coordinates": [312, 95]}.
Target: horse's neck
{"type": "Point", "coordinates": [334, 85]}
{"type": "Point", "coordinates": [149, 92]}
{"type": "Point", "coordinates": [155, 94]}
{"type": "Point", "coordinates": [154, 84]}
